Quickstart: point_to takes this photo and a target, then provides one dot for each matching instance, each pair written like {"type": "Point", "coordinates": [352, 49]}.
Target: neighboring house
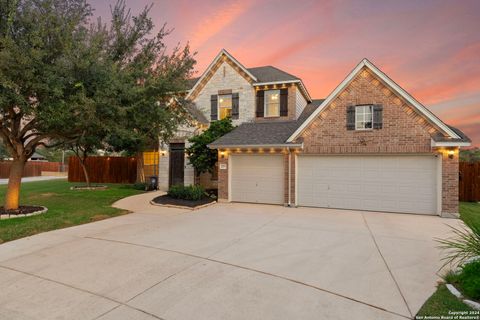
{"type": "Point", "coordinates": [368, 146]}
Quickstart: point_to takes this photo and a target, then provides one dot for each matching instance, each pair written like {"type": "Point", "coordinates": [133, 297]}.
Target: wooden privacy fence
{"type": "Point", "coordinates": [32, 168]}
{"type": "Point", "coordinates": [104, 169]}
{"type": "Point", "coordinates": [469, 184]}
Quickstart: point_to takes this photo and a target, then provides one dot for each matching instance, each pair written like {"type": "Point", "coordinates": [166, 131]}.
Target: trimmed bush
{"type": "Point", "coordinates": [187, 192]}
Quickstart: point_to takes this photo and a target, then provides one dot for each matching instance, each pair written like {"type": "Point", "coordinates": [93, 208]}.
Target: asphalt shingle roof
{"type": "Point", "coordinates": [271, 74]}
{"type": "Point", "coordinates": [263, 74]}
{"type": "Point", "coordinates": [265, 133]}
{"type": "Point", "coordinates": [463, 136]}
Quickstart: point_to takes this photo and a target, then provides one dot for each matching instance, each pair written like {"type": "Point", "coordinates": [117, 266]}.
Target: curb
{"type": "Point", "coordinates": [456, 293]}
{"type": "Point", "coordinates": [8, 216]}
{"type": "Point", "coordinates": [182, 207]}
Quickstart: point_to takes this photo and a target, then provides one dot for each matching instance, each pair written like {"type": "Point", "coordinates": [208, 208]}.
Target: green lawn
{"type": "Point", "coordinates": [442, 300]}
{"type": "Point", "coordinates": [65, 207]}
{"type": "Point", "coordinates": [470, 213]}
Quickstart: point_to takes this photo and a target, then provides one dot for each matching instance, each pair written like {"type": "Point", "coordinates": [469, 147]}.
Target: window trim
{"type": "Point", "coordinates": [218, 105]}
{"type": "Point", "coordinates": [356, 122]}
{"type": "Point", "coordinates": [265, 104]}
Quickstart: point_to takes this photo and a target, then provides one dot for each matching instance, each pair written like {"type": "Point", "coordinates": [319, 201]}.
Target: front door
{"type": "Point", "coordinates": [177, 163]}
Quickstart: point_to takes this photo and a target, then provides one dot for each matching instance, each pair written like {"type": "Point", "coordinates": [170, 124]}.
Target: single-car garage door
{"type": "Point", "coordinates": [257, 178]}
{"type": "Point", "coordinates": [377, 183]}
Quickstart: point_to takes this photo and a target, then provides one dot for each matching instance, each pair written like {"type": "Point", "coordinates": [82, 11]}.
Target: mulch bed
{"type": "Point", "coordinates": [22, 211]}
{"type": "Point", "coordinates": [166, 199]}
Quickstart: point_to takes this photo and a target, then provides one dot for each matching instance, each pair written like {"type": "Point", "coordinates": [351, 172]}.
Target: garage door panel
{"type": "Point", "coordinates": [256, 178]}
{"type": "Point", "coordinates": [378, 183]}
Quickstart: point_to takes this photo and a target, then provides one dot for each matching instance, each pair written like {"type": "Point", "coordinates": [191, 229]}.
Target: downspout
{"type": "Point", "coordinates": [289, 177]}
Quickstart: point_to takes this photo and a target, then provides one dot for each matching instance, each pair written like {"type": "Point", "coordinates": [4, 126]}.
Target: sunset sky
{"type": "Point", "coordinates": [430, 48]}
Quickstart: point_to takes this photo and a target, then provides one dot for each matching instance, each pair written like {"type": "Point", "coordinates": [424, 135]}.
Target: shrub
{"type": "Point", "coordinates": [140, 186]}
{"type": "Point", "coordinates": [187, 192]}
{"type": "Point", "coordinates": [469, 280]}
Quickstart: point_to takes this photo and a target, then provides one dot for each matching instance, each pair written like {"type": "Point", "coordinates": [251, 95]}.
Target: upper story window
{"type": "Point", "coordinates": [272, 103]}
{"type": "Point", "coordinates": [224, 106]}
{"type": "Point", "coordinates": [363, 117]}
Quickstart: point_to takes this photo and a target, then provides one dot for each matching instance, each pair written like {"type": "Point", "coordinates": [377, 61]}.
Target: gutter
{"type": "Point", "coordinates": [256, 146]}
{"type": "Point", "coordinates": [450, 143]}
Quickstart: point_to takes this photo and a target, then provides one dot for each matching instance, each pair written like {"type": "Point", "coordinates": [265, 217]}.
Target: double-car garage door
{"type": "Point", "coordinates": [406, 184]}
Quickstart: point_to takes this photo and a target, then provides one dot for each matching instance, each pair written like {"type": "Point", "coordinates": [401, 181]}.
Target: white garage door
{"type": "Point", "coordinates": [377, 183]}
{"type": "Point", "coordinates": [256, 178]}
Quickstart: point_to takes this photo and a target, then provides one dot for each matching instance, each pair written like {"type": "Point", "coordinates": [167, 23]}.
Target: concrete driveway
{"type": "Point", "coordinates": [227, 261]}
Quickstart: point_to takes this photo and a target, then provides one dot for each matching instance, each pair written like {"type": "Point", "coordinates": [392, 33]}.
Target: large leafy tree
{"type": "Point", "coordinates": [202, 158]}
{"type": "Point", "coordinates": [36, 38]}
{"type": "Point", "coordinates": [64, 80]}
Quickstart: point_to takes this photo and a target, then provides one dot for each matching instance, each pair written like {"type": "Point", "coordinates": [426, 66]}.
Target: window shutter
{"type": "Point", "coordinates": [377, 116]}
{"type": "Point", "coordinates": [283, 102]}
{"type": "Point", "coordinates": [213, 107]}
{"type": "Point", "coordinates": [235, 105]}
{"type": "Point", "coordinates": [351, 118]}
{"type": "Point", "coordinates": [260, 103]}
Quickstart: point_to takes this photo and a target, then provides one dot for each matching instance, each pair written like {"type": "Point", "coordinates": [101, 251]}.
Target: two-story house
{"type": "Point", "coordinates": [368, 146]}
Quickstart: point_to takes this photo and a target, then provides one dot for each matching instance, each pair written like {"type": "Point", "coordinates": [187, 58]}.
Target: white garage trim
{"type": "Point", "coordinates": [409, 185]}
{"type": "Point", "coordinates": [257, 178]}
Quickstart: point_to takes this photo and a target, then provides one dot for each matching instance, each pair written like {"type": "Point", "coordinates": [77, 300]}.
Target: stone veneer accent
{"type": "Point", "coordinates": [225, 77]}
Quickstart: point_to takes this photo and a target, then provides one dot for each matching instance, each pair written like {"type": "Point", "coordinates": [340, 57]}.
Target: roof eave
{"type": "Point", "coordinates": [450, 143]}
{"type": "Point", "coordinates": [251, 146]}
{"type": "Point", "coordinates": [297, 81]}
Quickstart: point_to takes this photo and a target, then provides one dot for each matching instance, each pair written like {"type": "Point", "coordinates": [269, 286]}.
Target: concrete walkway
{"type": "Point", "coordinates": [227, 261]}
{"type": "Point", "coordinates": [33, 179]}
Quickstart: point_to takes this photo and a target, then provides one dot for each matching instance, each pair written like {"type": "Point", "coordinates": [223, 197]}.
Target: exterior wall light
{"type": "Point", "coordinates": [222, 154]}
{"type": "Point", "coordinates": [451, 153]}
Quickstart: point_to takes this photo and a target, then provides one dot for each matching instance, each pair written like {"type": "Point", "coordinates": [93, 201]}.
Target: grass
{"type": "Point", "coordinates": [442, 301]}
{"type": "Point", "coordinates": [467, 281]}
{"type": "Point", "coordinates": [65, 207]}
{"type": "Point", "coordinates": [470, 213]}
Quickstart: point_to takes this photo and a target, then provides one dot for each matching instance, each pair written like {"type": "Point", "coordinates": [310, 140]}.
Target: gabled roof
{"type": "Point", "coordinates": [265, 75]}
{"type": "Point", "coordinates": [222, 53]}
{"type": "Point", "coordinates": [263, 133]}
{"type": "Point", "coordinates": [400, 91]}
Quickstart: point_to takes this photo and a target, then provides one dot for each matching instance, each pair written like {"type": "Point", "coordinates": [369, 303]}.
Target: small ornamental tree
{"type": "Point", "coordinates": [202, 158]}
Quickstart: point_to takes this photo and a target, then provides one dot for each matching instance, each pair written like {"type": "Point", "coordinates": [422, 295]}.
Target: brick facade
{"type": "Point", "coordinates": [223, 176]}
{"type": "Point", "coordinates": [404, 132]}
{"type": "Point", "coordinates": [449, 182]}
{"type": "Point", "coordinates": [292, 104]}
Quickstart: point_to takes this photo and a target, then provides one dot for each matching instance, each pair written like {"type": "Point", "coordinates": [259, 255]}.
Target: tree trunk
{"type": "Point", "coordinates": [140, 168]}
{"type": "Point", "coordinates": [14, 182]}
{"type": "Point", "coordinates": [85, 171]}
